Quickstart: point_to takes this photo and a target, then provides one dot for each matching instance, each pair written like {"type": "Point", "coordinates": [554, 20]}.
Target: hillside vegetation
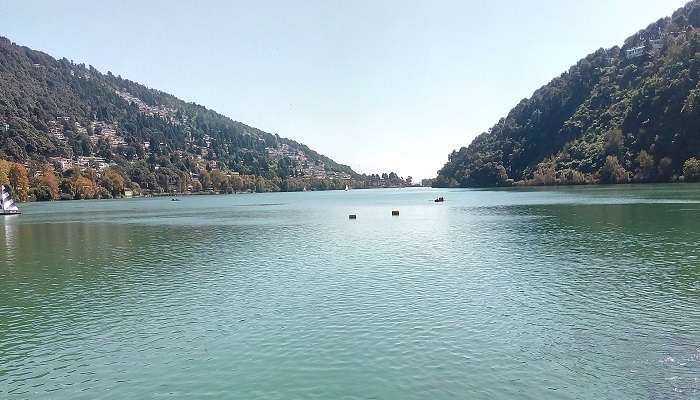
{"type": "Point", "coordinates": [70, 120]}
{"type": "Point", "coordinates": [625, 114]}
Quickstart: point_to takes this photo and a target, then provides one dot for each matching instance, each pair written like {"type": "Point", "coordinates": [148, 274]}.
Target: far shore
{"type": "Point", "coordinates": [212, 193]}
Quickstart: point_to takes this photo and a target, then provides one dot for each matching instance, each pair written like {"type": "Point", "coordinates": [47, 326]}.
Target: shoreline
{"type": "Point", "coordinates": [211, 193]}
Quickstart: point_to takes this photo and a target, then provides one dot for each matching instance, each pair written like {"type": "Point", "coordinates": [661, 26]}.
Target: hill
{"type": "Point", "coordinates": [72, 119]}
{"type": "Point", "coordinates": [624, 114]}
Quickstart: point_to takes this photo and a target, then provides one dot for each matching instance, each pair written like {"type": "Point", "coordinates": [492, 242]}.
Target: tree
{"type": "Point", "coordinates": [67, 187]}
{"type": "Point", "coordinates": [140, 173]}
{"type": "Point", "coordinates": [285, 167]}
{"type": "Point", "coordinates": [691, 170]}
{"type": "Point", "coordinates": [41, 192]}
{"type": "Point", "coordinates": [218, 180]}
{"type": "Point", "coordinates": [237, 183]}
{"type": "Point", "coordinates": [49, 182]}
{"type": "Point", "coordinates": [19, 181]}
{"type": "Point", "coordinates": [84, 188]}
{"type": "Point", "coordinates": [613, 172]}
{"type": "Point", "coordinates": [4, 172]}
{"type": "Point", "coordinates": [614, 141]}
{"type": "Point", "coordinates": [647, 168]}
{"type": "Point", "coordinates": [573, 177]}
{"type": "Point", "coordinates": [196, 187]}
{"type": "Point", "coordinates": [113, 182]}
{"type": "Point", "coordinates": [489, 174]}
{"type": "Point", "coordinates": [545, 175]}
{"type": "Point", "coordinates": [205, 180]}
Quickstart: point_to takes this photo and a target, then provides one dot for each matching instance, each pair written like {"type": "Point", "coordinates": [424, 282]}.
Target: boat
{"type": "Point", "coordinates": [347, 188]}
{"type": "Point", "coordinates": [440, 200]}
{"type": "Point", "coordinates": [7, 205]}
{"type": "Point", "coordinates": [174, 199]}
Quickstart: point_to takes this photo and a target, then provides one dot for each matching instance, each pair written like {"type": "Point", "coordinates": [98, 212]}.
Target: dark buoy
{"type": "Point", "coordinates": [353, 216]}
{"type": "Point", "coordinates": [395, 213]}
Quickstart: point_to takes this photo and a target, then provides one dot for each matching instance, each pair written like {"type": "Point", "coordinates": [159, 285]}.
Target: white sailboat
{"type": "Point", "coordinates": [347, 188]}
{"type": "Point", "coordinates": [7, 205]}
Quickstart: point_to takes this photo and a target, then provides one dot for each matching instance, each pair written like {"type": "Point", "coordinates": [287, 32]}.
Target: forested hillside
{"type": "Point", "coordinates": [625, 114]}
{"type": "Point", "coordinates": [77, 122]}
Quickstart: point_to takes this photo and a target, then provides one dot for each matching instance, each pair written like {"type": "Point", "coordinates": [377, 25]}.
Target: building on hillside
{"type": "Point", "coordinates": [635, 52]}
{"type": "Point", "coordinates": [97, 163]}
{"type": "Point", "coordinates": [81, 129]}
{"type": "Point", "coordinates": [64, 163]}
{"type": "Point", "coordinates": [4, 126]}
{"type": "Point", "coordinates": [657, 44]}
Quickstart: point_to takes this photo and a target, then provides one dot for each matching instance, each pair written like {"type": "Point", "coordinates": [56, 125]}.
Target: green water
{"type": "Point", "coordinates": [585, 293]}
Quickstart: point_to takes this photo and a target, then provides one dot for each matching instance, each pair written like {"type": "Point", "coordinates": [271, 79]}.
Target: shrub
{"type": "Point", "coordinates": [691, 170]}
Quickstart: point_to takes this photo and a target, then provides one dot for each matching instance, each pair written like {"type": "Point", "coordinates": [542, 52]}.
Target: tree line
{"type": "Point", "coordinates": [42, 182]}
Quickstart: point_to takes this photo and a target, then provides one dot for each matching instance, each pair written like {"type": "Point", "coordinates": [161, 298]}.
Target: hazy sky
{"type": "Point", "coordinates": [379, 85]}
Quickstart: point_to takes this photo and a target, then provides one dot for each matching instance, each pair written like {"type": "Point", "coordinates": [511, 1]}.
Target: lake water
{"type": "Point", "coordinates": [577, 293]}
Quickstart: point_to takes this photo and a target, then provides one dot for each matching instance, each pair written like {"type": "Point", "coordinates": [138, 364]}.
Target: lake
{"type": "Point", "coordinates": [568, 293]}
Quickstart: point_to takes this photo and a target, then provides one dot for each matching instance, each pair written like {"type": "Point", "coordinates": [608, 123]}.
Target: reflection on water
{"type": "Point", "coordinates": [583, 293]}
{"type": "Point", "coordinates": [10, 233]}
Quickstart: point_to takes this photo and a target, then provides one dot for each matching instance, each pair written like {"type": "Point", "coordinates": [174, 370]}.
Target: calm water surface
{"type": "Point", "coordinates": [586, 293]}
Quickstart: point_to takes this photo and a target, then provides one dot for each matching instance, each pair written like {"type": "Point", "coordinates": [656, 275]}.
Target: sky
{"type": "Point", "coordinates": [383, 85]}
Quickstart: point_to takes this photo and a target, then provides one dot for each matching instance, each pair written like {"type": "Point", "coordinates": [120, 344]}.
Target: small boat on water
{"type": "Point", "coordinates": [174, 199]}
{"type": "Point", "coordinates": [347, 188]}
{"type": "Point", "coordinates": [7, 205]}
{"type": "Point", "coordinates": [440, 200]}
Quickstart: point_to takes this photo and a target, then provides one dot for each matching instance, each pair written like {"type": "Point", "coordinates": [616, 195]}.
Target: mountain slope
{"type": "Point", "coordinates": [620, 114]}
{"type": "Point", "coordinates": [70, 114]}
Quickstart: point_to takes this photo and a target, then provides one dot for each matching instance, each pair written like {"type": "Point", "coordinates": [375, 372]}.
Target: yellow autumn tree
{"type": "Point", "coordinates": [48, 179]}
{"type": "Point", "coordinates": [4, 172]}
{"type": "Point", "coordinates": [85, 188]}
{"type": "Point", "coordinates": [19, 181]}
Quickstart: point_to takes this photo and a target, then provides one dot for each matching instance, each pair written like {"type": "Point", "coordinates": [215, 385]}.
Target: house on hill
{"type": "Point", "coordinates": [635, 52]}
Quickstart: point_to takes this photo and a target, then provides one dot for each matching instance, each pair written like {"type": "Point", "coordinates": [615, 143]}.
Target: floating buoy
{"type": "Point", "coordinates": [353, 216]}
{"type": "Point", "coordinates": [395, 213]}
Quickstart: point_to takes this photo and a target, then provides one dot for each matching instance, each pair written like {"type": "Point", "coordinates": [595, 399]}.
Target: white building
{"type": "Point", "coordinates": [657, 44]}
{"type": "Point", "coordinates": [635, 52]}
{"type": "Point", "coordinates": [65, 163]}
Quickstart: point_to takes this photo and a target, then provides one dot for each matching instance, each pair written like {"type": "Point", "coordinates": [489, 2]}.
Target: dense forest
{"type": "Point", "coordinates": [625, 114]}
{"type": "Point", "coordinates": [74, 132]}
